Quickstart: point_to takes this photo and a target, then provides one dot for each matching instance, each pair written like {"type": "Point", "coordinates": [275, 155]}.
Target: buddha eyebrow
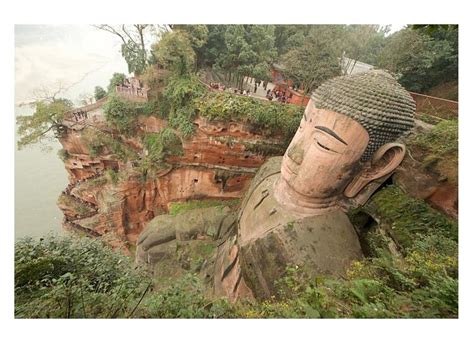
{"type": "Point", "coordinates": [330, 132]}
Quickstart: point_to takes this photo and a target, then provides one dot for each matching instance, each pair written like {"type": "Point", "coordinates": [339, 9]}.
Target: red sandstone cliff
{"type": "Point", "coordinates": [216, 164]}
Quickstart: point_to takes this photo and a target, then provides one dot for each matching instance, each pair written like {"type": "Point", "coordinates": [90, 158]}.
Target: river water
{"type": "Point", "coordinates": [78, 58]}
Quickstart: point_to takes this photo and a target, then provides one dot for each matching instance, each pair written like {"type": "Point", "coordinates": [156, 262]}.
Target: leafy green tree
{"type": "Point", "coordinates": [317, 59]}
{"type": "Point", "coordinates": [238, 56]}
{"type": "Point", "coordinates": [288, 37]}
{"type": "Point", "coordinates": [198, 36]}
{"type": "Point", "coordinates": [174, 52]}
{"type": "Point", "coordinates": [445, 66]}
{"type": "Point", "coordinates": [117, 79]}
{"type": "Point", "coordinates": [363, 43]}
{"type": "Point", "coordinates": [48, 117]}
{"type": "Point", "coordinates": [99, 93]}
{"type": "Point", "coordinates": [262, 42]}
{"type": "Point", "coordinates": [215, 46]}
{"type": "Point", "coordinates": [420, 59]}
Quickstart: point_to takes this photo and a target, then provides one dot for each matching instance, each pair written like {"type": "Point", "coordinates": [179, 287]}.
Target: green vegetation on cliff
{"type": "Point", "coordinates": [178, 98]}
{"type": "Point", "coordinates": [158, 147]}
{"type": "Point", "coordinates": [180, 207]}
{"type": "Point", "coordinates": [99, 142]}
{"type": "Point", "coordinates": [122, 114]}
{"type": "Point", "coordinates": [440, 149]}
{"type": "Point", "coordinates": [63, 277]}
{"type": "Point", "coordinates": [268, 118]}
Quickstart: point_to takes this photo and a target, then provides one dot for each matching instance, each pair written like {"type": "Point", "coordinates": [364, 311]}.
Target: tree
{"type": "Point", "coordinates": [288, 37]}
{"type": "Point", "coordinates": [47, 117]}
{"type": "Point", "coordinates": [262, 41]}
{"type": "Point", "coordinates": [197, 36]}
{"type": "Point", "coordinates": [317, 59]}
{"type": "Point", "coordinates": [418, 58]}
{"type": "Point", "coordinates": [215, 46]}
{"type": "Point", "coordinates": [445, 66]}
{"type": "Point", "coordinates": [117, 79]}
{"type": "Point", "coordinates": [174, 52]}
{"type": "Point", "coordinates": [133, 39]}
{"type": "Point", "coordinates": [99, 93]}
{"type": "Point", "coordinates": [362, 43]}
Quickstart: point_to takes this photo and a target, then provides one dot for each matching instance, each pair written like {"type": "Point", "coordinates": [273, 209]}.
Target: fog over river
{"type": "Point", "coordinates": [77, 57]}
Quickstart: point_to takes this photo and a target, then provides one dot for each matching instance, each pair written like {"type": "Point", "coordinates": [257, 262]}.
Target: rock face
{"type": "Point", "coordinates": [106, 196]}
{"type": "Point", "coordinates": [416, 177]}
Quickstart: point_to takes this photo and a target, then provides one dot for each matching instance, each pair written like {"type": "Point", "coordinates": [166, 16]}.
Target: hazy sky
{"type": "Point", "coordinates": [77, 56]}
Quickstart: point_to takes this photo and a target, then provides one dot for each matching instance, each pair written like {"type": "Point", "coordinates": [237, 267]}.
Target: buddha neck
{"type": "Point", "coordinates": [301, 204]}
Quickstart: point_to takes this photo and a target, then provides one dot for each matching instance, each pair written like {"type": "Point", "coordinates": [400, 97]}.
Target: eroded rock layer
{"type": "Point", "coordinates": [111, 198]}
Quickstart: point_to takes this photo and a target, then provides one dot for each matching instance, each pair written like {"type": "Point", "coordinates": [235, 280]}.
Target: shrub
{"type": "Point", "coordinates": [99, 93]}
{"type": "Point", "coordinates": [64, 277]}
{"type": "Point", "coordinates": [121, 114]}
{"type": "Point", "coordinates": [267, 117]}
{"type": "Point", "coordinates": [185, 299]}
{"type": "Point", "coordinates": [410, 217]}
{"type": "Point", "coordinates": [63, 155]}
{"type": "Point", "coordinates": [440, 148]}
{"type": "Point", "coordinates": [96, 141]}
{"type": "Point", "coordinates": [178, 100]}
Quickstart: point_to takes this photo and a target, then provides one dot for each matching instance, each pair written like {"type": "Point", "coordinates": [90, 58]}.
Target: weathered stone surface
{"type": "Point", "coordinates": [209, 168]}
{"type": "Point", "coordinates": [271, 238]}
{"type": "Point", "coordinates": [191, 225]}
{"type": "Point", "coordinates": [415, 178]}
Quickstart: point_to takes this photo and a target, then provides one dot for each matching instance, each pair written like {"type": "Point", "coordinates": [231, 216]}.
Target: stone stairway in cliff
{"type": "Point", "coordinates": [68, 221]}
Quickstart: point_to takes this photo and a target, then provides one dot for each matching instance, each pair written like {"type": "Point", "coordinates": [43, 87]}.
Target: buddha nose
{"type": "Point", "coordinates": [296, 152]}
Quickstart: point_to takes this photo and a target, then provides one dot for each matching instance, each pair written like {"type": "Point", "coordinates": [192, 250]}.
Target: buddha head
{"type": "Point", "coordinates": [346, 139]}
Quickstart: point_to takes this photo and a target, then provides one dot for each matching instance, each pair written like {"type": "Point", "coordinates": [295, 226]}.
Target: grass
{"type": "Point", "coordinates": [440, 149]}
{"type": "Point", "coordinates": [179, 207]}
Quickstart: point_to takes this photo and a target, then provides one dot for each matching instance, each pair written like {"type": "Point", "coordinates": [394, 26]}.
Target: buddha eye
{"type": "Point", "coordinates": [323, 146]}
{"type": "Point", "coordinates": [327, 143]}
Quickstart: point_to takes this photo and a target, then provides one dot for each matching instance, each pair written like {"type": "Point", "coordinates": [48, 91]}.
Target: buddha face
{"type": "Point", "coordinates": [324, 154]}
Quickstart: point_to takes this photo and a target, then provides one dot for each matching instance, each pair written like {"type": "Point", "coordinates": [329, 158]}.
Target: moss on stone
{"type": "Point", "coordinates": [180, 207]}
{"type": "Point", "coordinates": [439, 148]}
{"type": "Point", "coordinates": [411, 217]}
{"type": "Point", "coordinates": [78, 207]}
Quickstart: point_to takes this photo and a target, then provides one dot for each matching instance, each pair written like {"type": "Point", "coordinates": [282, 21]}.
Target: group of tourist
{"type": "Point", "coordinates": [258, 83]}
{"type": "Point", "coordinates": [245, 92]}
{"type": "Point", "coordinates": [79, 115]}
{"type": "Point", "coordinates": [279, 96]}
{"type": "Point", "coordinates": [218, 86]}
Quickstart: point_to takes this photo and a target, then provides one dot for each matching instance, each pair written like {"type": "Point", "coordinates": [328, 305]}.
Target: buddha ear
{"type": "Point", "coordinates": [384, 161]}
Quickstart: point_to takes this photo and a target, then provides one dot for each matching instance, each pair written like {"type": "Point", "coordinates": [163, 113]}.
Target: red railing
{"type": "Point", "coordinates": [434, 106]}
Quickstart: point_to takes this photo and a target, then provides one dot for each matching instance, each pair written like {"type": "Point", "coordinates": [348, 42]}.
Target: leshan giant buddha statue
{"type": "Point", "coordinates": [294, 212]}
